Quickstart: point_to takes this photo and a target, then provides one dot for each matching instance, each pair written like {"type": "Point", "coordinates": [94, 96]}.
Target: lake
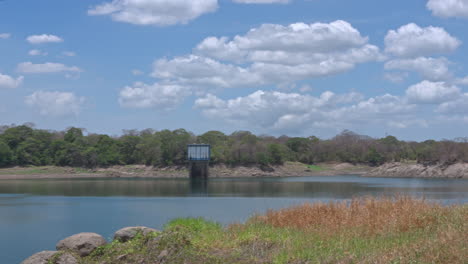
{"type": "Point", "coordinates": [36, 214]}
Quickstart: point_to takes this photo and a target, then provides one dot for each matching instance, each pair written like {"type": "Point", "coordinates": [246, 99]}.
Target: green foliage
{"type": "Point", "coordinates": [22, 145]}
{"type": "Point", "coordinates": [276, 152]}
{"type": "Point", "coordinates": [6, 155]}
{"type": "Point", "coordinates": [374, 158]}
{"type": "Point", "coordinates": [73, 134]}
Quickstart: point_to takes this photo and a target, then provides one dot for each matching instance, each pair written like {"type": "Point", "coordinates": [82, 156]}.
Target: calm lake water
{"type": "Point", "coordinates": [36, 214]}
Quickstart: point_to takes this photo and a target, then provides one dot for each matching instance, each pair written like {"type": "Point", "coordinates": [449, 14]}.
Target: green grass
{"type": "Point", "coordinates": [418, 233]}
{"type": "Point", "coordinates": [315, 168]}
{"type": "Point", "coordinates": [32, 170]}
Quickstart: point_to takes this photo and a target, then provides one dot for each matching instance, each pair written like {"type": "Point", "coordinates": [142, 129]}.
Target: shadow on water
{"type": "Point", "coordinates": [339, 187]}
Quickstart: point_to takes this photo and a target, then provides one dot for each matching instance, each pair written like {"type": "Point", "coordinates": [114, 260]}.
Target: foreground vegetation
{"type": "Point", "coordinates": [23, 146]}
{"type": "Point", "coordinates": [400, 230]}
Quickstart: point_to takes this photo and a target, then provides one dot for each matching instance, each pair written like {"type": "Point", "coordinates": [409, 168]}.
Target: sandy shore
{"type": "Point", "coordinates": [289, 169]}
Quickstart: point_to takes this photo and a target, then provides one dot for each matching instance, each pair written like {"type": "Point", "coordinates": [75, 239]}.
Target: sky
{"type": "Point", "coordinates": [276, 67]}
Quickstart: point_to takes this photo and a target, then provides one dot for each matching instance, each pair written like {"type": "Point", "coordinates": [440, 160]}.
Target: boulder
{"type": "Point", "coordinates": [42, 257]}
{"type": "Point", "coordinates": [83, 244]}
{"type": "Point", "coordinates": [128, 233]}
{"type": "Point", "coordinates": [66, 258]}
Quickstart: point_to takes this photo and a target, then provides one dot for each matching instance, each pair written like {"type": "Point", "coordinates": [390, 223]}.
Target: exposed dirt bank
{"type": "Point", "coordinates": [289, 169]}
{"type": "Point", "coordinates": [457, 170]}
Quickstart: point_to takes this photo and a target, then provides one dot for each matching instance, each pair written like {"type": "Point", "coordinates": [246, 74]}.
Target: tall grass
{"type": "Point", "coordinates": [368, 215]}
{"type": "Point", "coordinates": [364, 230]}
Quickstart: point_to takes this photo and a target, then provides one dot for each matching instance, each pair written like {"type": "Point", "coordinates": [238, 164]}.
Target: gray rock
{"type": "Point", "coordinates": [128, 233]}
{"type": "Point", "coordinates": [40, 258]}
{"type": "Point", "coordinates": [66, 258]}
{"type": "Point", "coordinates": [83, 244]}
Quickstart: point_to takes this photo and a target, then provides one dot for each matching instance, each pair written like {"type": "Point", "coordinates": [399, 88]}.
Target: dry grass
{"type": "Point", "coordinates": [365, 230]}
{"type": "Point", "coordinates": [369, 215]}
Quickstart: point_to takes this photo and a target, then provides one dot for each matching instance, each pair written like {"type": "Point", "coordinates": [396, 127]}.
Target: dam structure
{"type": "Point", "coordinates": [198, 156]}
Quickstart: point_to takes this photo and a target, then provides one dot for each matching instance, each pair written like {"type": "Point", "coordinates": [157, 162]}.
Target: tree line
{"type": "Point", "coordinates": [23, 145]}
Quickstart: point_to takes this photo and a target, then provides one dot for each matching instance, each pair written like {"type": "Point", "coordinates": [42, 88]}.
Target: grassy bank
{"type": "Point", "coordinates": [216, 170]}
{"type": "Point", "coordinates": [400, 230]}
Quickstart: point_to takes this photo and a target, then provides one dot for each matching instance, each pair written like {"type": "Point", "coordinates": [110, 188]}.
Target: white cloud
{"type": "Point", "coordinates": [262, 1]}
{"type": "Point", "coordinates": [462, 81]}
{"type": "Point", "coordinates": [457, 106]}
{"type": "Point", "coordinates": [44, 38]}
{"type": "Point", "coordinates": [293, 44]}
{"type": "Point", "coordinates": [429, 68]}
{"type": "Point", "coordinates": [396, 77]}
{"type": "Point", "coordinates": [5, 35]}
{"type": "Point", "coordinates": [448, 8]}
{"type": "Point", "coordinates": [59, 104]}
{"type": "Point", "coordinates": [412, 41]}
{"type": "Point", "coordinates": [161, 96]}
{"type": "Point", "coordinates": [270, 54]}
{"type": "Point", "coordinates": [69, 53]}
{"type": "Point", "coordinates": [427, 92]}
{"type": "Point", "coordinates": [10, 82]}
{"type": "Point", "coordinates": [155, 12]}
{"type": "Point", "coordinates": [36, 52]}
{"type": "Point", "coordinates": [48, 67]}
{"type": "Point", "coordinates": [201, 71]}
{"type": "Point", "coordinates": [294, 112]}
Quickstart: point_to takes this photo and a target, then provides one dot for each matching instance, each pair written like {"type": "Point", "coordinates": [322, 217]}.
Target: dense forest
{"type": "Point", "coordinates": [23, 145]}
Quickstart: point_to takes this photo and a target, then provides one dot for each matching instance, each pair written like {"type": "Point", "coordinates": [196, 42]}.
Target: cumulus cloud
{"type": "Point", "coordinates": [5, 35]}
{"type": "Point", "coordinates": [58, 104]}
{"type": "Point", "coordinates": [462, 81]}
{"type": "Point", "coordinates": [458, 106]}
{"type": "Point", "coordinates": [291, 111]}
{"type": "Point", "coordinates": [36, 52]}
{"type": "Point", "coordinates": [412, 41]}
{"type": "Point", "coordinates": [270, 54]}
{"type": "Point", "coordinates": [155, 12]}
{"type": "Point", "coordinates": [48, 67]}
{"type": "Point", "coordinates": [7, 81]}
{"type": "Point", "coordinates": [433, 69]}
{"type": "Point", "coordinates": [262, 1]}
{"type": "Point", "coordinates": [201, 71]}
{"type": "Point", "coordinates": [160, 96]}
{"type": "Point", "coordinates": [44, 38]}
{"type": "Point", "coordinates": [427, 92]}
{"type": "Point", "coordinates": [448, 8]}
{"type": "Point", "coordinates": [396, 77]}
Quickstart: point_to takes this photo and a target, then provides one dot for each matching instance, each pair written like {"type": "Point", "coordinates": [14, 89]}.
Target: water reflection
{"type": "Point", "coordinates": [336, 187]}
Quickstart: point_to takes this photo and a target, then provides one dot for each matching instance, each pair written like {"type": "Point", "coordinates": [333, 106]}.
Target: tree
{"type": "Point", "coordinates": [374, 158]}
{"type": "Point", "coordinates": [6, 154]}
{"type": "Point", "coordinates": [15, 135]}
{"type": "Point", "coordinates": [73, 134]}
{"type": "Point", "coordinates": [276, 153]}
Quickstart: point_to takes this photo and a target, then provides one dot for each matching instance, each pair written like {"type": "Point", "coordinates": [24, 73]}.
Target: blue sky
{"type": "Point", "coordinates": [298, 67]}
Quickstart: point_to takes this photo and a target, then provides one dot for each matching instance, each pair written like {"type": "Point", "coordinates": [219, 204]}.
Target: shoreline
{"type": "Point", "coordinates": [289, 169]}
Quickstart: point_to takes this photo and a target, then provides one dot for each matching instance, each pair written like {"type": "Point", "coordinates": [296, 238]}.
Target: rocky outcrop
{"type": "Point", "coordinates": [72, 249]}
{"type": "Point", "coordinates": [42, 257]}
{"type": "Point", "coordinates": [128, 233]}
{"type": "Point", "coordinates": [66, 258]}
{"type": "Point", "coordinates": [396, 169]}
{"type": "Point", "coordinates": [82, 244]}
